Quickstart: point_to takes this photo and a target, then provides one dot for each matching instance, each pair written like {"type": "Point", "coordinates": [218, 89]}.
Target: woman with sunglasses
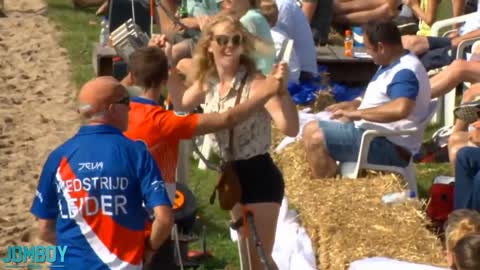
{"type": "Point", "coordinates": [221, 61]}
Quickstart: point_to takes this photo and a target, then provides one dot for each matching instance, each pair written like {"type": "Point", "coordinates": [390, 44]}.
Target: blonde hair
{"type": "Point", "coordinates": [460, 223]}
{"type": "Point", "coordinates": [203, 62]}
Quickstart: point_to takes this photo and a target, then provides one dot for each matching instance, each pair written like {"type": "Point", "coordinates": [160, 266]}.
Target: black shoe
{"type": "Point", "coordinates": [468, 112]}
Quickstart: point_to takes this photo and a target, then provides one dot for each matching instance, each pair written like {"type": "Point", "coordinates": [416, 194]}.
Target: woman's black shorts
{"type": "Point", "coordinates": [260, 179]}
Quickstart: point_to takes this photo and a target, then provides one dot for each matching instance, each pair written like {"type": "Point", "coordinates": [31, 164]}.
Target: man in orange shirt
{"type": "Point", "coordinates": [161, 130]}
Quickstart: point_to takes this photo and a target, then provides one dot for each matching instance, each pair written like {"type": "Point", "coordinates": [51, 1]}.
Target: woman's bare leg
{"type": "Point", "coordinates": [457, 72]}
{"type": "Point", "coordinates": [265, 217]}
{"type": "Point", "coordinates": [351, 6]}
{"type": "Point", "coordinates": [383, 12]}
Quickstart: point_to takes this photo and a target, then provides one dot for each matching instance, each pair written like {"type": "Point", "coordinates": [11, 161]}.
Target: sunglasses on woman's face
{"type": "Point", "coordinates": [125, 100]}
{"type": "Point", "coordinates": [224, 40]}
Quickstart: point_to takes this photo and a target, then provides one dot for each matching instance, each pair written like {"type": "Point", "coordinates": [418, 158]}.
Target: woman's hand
{"type": "Point", "coordinates": [344, 106]}
{"type": "Point", "coordinates": [280, 73]}
{"type": "Point", "coordinates": [347, 116]}
{"type": "Point", "coordinates": [157, 41]}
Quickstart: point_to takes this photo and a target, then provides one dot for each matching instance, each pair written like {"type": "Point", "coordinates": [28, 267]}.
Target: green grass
{"type": "Point", "coordinates": [80, 29]}
{"type": "Point", "coordinates": [224, 250]}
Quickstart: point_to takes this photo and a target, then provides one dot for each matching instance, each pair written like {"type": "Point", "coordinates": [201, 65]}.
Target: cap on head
{"type": "Point", "coordinates": [98, 93]}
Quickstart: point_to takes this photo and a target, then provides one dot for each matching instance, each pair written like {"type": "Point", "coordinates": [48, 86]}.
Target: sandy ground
{"type": "Point", "coordinates": [36, 112]}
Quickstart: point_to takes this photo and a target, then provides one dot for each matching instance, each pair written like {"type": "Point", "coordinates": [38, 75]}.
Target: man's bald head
{"type": "Point", "coordinates": [97, 94]}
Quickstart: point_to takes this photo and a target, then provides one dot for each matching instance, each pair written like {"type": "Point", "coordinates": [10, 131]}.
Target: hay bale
{"type": "Point", "coordinates": [346, 219]}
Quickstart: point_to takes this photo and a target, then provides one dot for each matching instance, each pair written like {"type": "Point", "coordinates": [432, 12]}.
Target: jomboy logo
{"type": "Point", "coordinates": [21, 257]}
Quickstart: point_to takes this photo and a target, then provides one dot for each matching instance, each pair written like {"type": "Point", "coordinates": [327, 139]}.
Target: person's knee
{"type": "Point", "coordinates": [456, 141]}
{"type": "Point", "coordinates": [457, 67]}
{"type": "Point", "coordinates": [312, 135]}
{"type": "Point", "coordinates": [408, 41]}
{"type": "Point", "coordinates": [416, 44]}
{"type": "Point", "coordinates": [464, 155]}
{"type": "Point", "coordinates": [457, 138]}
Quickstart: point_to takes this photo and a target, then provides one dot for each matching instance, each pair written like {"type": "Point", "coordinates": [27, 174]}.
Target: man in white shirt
{"type": "Point", "coordinates": [396, 98]}
{"type": "Point", "coordinates": [292, 22]}
{"type": "Point", "coordinates": [270, 12]}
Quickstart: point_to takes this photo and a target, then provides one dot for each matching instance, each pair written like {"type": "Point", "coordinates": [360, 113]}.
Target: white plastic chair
{"type": "Point", "coordinates": [352, 169]}
{"type": "Point", "coordinates": [447, 103]}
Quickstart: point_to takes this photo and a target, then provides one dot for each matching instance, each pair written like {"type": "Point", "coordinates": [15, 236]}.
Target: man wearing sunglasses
{"type": "Point", "coordinates": [93, 188]}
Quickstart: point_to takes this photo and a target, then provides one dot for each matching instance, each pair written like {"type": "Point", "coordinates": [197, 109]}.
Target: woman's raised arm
{"type": "Point", "coordinates": [280, 107]}
{"type": "Point", "coordinates": [183, 98]}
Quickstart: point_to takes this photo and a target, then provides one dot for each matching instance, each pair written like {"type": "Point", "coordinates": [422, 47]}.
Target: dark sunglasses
{"type": "Point", "coordinates": [125, 100]}
{"type": "Point", "coordinates": [224, 40]}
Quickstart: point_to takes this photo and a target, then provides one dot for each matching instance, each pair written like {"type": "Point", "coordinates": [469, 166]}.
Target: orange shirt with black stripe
{"type": "Point", "coordinates": [161, 130]}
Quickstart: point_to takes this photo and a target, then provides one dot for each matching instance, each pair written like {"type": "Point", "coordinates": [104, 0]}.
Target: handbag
{"type": "Point", "coordinates": [228, 186]}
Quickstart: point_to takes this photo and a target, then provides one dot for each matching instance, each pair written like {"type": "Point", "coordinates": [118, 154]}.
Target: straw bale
{"type": "Point", "coordinates": [346, 219]}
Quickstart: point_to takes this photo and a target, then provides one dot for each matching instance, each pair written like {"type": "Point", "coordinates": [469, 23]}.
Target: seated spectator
{"type": "Point", "coordinates": [427, 11]}
{"type": "Point", "coordinates": [461, 135]}
{"type": "Point", "coordinates": [255, 23]}
{"type": "Point", "coordinates": [197, 12]}
{"type": "Point", "coordinates": [290, 20]}
{"type": "Point", "coordinates": [467, 252]}
{"type": "Point", "coordinates": [435, 52]}
{"type": "Point", "coordinates": [457, 72]}
{"type": "Point", "coordinates": [467, 177]}
{"type": "Point", "coordinates": [320, 13]}
{"type": "Point", "coordinates": [397, 98]}
{"type": "Point", "coordinates": [270, 11]}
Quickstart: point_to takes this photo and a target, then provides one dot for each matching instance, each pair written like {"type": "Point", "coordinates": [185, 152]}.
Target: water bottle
{"type": "Point", "coordinates": [104, 32]}
{"type": "Point", "coordinates": [358, 43]}
{"type": "Point", "coordinates": [348, 43]}
{"type": "Point", "coordinates": [398, 197]}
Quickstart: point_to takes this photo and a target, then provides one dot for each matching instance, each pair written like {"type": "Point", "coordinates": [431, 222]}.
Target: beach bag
{"type": "Point", "coordinates": [441, 203]}
{"type": "Point", "coordinates": [228, 185]}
